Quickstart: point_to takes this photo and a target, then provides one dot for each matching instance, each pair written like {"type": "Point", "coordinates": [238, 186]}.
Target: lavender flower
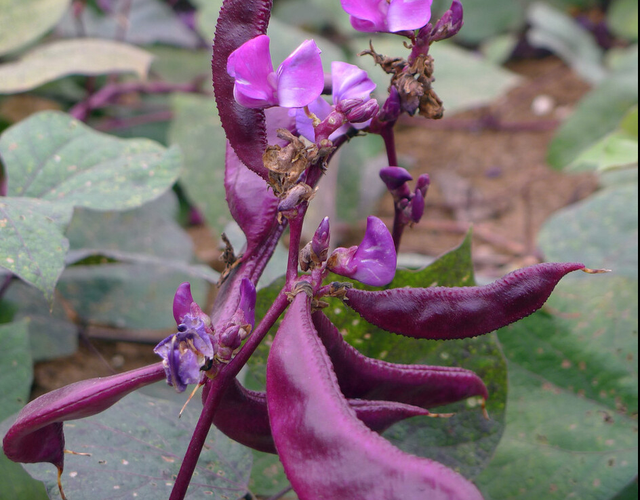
{"type": "Point", "coordinates": [388, 15]}
{"type": "Point", "coordinates": [352, 105]}
{"type": "Point", "coordinates": [373, 262]}
{"type": "Point", "coordinates": [298, 80]}
{"type": "Point", "coordinates": [185, 353]}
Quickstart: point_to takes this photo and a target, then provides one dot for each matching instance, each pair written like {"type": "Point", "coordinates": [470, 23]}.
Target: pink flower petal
{"type": "Point", "coordinates": [350, 82]}
{"type": "Point", "coordinates": [300, 78]}
{"type": "Point", "coordinates": [251, 66]}
{"type": "Point", "coordinates": [408, 14]}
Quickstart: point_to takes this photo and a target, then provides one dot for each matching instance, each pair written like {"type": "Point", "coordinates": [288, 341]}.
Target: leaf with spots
{"type": "Point", "coordinates": [573, 367]}
{"type": "Point", "coordinates": [136, 450]}
{"type": "Point", "coordinates": [53, 157]}
{"type": "Point", "coordinates": [32, 243]}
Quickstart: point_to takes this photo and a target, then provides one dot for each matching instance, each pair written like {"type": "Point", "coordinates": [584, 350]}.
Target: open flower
{"type": "Point", "coordinates": [388, 15]}
{"type": "Point", "coordinates": [298, 81]}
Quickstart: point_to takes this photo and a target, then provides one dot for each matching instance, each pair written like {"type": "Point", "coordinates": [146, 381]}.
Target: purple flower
{"type": "Point", "coordinates": [184, 353]}
{"type": "Point", "coordinates": [352, 104]}
{"type": "Point", "coordinates": [373, 262]}
{"type": "Point", "coordinates": [388, 15]}
{"type": "Point", "coordinates": [298, 80]}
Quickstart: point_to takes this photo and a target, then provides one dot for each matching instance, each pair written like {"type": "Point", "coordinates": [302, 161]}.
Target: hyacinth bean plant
{"type": "Point", "coordinates": [325, 403]}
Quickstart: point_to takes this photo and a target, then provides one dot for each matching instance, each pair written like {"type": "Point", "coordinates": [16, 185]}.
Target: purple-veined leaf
{"type": "Point", "coordinates": [239, 21]}
{"type": "Point", "coordinates": [441, 313]}
{"type": "Point", "coordinates": [324, 448]}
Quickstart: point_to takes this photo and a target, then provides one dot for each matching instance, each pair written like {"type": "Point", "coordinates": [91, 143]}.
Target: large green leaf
{"type": "Point", "coordinates": [571, 424]}
{"type": "Point", "coordinates": [15, 385]}
{"type": "Point", "coordinates": [72, 57]}
{"type": "Point", "coordinates": [196, 129]}
{"type": "Point", "coordinates": [136, 449]}
{"type": "Point", "coordinates": [32, 244]}
{"type": "Point", "coordinates": [23, 21]}
{"type": "Point", "coordinates": [599, 113]}
{"type": "Point", "coordinates": [53, 157]}
{"type": "Point", "coordinates": [467, 440]}
{"type": "Point", "coordinates": [622, 19]}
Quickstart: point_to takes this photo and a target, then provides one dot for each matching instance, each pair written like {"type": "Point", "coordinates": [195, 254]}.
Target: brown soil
{"type": "Point", "coordinates": [487, 168]}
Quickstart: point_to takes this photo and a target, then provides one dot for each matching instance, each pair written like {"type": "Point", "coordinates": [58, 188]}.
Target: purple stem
{"type": "Point", "coordinates": [218, 387]}
{"type": "Point", "coordinates": [295, 234]}
{"type": "Point", "coordinates": [392, 157]}
{"type": "Point", "coordinates": [110, 92]}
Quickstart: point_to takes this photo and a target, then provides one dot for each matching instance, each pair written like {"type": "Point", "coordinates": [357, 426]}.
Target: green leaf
{"type": "Point", "coordinates": [136, 449]}
{"type": "Point", "coordinates": [72, 57]}
{"type": "Point", "coordinates": [51, 333]}
{"type": "Point", "coordinates": [622, 19]}
{"type": "Point", "coordinates": [147, 22]}
{"type": "Point", "coordinates": [571, 425]}
{"type": "Point", "coordinates": [554, 30]}
{"type": "Point", "coordinates": [197, 130]}
{"type": "Point", "coordinates": [466, 441]}
{"type": "Point", "coordinates": [598, 114]}
{"type": "Point", "coordinates": [15, 386]}
{"type": "Point", "coordinates": [16, 366]}
{"type": "Point", "coordinates": [56, 158]}
{"type": "Point", "coordinates": [23, 21]}
{"type": "Point", "coordinates": [175, 65]}
{"type": "Point", "coordinates": [31, 241]}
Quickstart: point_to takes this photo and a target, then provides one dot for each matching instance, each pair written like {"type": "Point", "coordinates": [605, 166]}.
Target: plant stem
{"type": "Point", "coordinates": [392, 156]}
{"type": "Point", "coordinates": [112, 91]}
{"type": "Point", "coordinates": [218, 386]}
{"type": "Point", "coordinates": [295, 234]}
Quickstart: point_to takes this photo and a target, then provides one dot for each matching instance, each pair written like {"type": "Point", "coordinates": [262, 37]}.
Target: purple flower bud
{"type": "Point", "coordinates": [373, 262]}
{"type": "Point", "coordinates": [424, 181]}
{"type": "Point", "coordinates": [182, 301]}
{"type": "Point", "coordinates": [388, 15]}
{"type": "Point", "coordinates": [392, 108]}
{"type": "Point", "coordinates": [395, 177]}
{"type": "Point", "coordinates": [321, 238]}
{"type": "Point", "coordinates": [417, 206]}
{"type": "Point", "coordinates": [358, 111]}
{"type": "Point", "coordinates": [450, 23]}
{"type": "Point", "coordinates": [298, 81]}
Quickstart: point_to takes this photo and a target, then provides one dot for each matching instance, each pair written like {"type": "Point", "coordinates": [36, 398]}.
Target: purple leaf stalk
{"type": "Point", "coordinates": [325, 403]}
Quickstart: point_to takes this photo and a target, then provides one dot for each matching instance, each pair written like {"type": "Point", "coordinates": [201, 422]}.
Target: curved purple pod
{"type": "Point", "coordinates": [253, 206]}
{"type": "Point", "coordinates": [443, 313]}
{"type": "Point", "coordinates": [243, 416]}
{"type": "Point", "coordinates": [418, 385]}
{"type": "Point", "coordinates": [327, 452]}
{"type": "Point", "coordinates": [239, 21]}
{"type": "Point", "coordinates": [36, 435]}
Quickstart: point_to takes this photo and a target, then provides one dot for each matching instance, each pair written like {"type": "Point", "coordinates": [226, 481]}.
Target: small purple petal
{"type": "Point", "coordinates": [300, 78]}
{"type": "Point", "coordinates": [321, 238]}
{"type": "Point", "coordinates": [182, 301]}
{"type": "Point", "coordinates": [408, 14]}
{"type": "Point", "coordinates": [373, 262]}
{"type": "Point", "coordinates": [350, 82]}
{"type": "Point", "coordinates": [395, 177]}
{"type": "Point", "coordinates": [367, 15]}
{"type": "Point", "coordinates": [255, 80]}
{"type": "Point", "coordinates": [321, 108]}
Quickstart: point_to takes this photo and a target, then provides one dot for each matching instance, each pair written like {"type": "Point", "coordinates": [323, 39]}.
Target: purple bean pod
{"type": "Point", "coordinates": [442, 313]}
{"type": "Point", "coordinates": [240, 21]}
{"type": "Point", "coordinates": [327, 452]}
{"type": "Point", "coordinates": [243, 416]}
{"type": "Point", "coordinates": [417, 385]}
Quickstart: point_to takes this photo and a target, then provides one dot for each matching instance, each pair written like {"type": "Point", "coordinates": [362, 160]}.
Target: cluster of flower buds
{"type": "Point", "coordinates": [352, 106]}
{"type": "Point", "coordinates": [196, 350]}
{"type": "Point", "coordinates": [410, 205]}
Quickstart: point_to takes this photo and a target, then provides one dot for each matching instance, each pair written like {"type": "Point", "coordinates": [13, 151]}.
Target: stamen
{"type": "Point", "coordinates": [193, 393]}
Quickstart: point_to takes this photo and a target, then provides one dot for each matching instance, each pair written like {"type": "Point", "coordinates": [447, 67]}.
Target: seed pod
{"type": "Point", "coordinates": [327, 452]}
{"type": "Point", "coordinates": [443, 313]}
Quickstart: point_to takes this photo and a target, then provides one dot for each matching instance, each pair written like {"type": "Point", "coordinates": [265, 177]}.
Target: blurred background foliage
{"type": "Point", "coordinates": [141, 69]}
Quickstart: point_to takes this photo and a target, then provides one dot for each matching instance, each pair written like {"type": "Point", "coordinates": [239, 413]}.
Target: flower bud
{"type": "Point", "coordinates": [359, 111]}
{"type": "Point", "coordinates": [395, 178]}
{"type": "Point", "coordinates": [373, 262]}
{"type": "Point", "coordinates": [320, 241]}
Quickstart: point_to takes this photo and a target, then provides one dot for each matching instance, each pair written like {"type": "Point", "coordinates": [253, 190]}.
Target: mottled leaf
{"type": "Point", "coordinates": [72, 57]}
{"type": "Point", "coordinates": [56, 158]}
{"type": "Point", "coordinates": [32, 244]}
{"type": "Point", "coordinates": [136, 449]}
{"type": "Point", "coordinates": [196, 129]}
{"type": "Point", "coordinates": [23, 21]}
